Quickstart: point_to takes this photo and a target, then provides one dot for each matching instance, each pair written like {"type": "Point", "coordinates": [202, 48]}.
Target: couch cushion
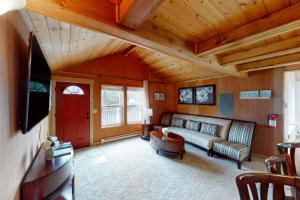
{"type": "Point", "coordinates": [204, 140]}
{"type": "Point", "coordinates": [210, 129]}
{"type": "Point", "coordinates": [178, 122]}
{"type": "Point", "coordinates": [232, 150]}
{"type": "Point", "coordinates": [187, 134]}
{"type": "Point", "coordinates": [241, 132]}
{"type": "Point", "coordinates": [193, 125]}
{"type": "Point", "coordinates": [223, 124]}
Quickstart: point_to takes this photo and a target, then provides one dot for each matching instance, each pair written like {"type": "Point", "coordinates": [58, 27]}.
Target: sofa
{"type": "Point", "coordinates": [225, 137]}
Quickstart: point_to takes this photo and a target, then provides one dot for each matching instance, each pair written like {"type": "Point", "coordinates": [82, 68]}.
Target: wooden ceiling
{"type": "Point", "coordinates": [66, 45]}
{"type": "Point", "coordinates": [180, 40]}
{"type": "Point", "coordinates": [200, 20]}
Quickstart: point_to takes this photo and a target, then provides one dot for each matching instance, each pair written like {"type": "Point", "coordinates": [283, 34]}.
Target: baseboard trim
{"type": "Point", "coordinates": [119, 137]}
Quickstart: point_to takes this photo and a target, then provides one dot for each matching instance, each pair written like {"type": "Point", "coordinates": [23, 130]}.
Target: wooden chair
{"type": "Point", "coordinates": [263, 180]}
{"type": "Point", "coordinates": [289, 148]}
{"type": "Point", "coordinates": [280, 164]}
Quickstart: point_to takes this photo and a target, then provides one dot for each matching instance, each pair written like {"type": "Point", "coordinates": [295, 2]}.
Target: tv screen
{"type": "Point", "coordinates": [37, 91]}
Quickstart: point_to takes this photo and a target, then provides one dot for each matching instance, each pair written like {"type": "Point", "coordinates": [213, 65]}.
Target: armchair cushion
{"type": "Point", "coordinates": [233, 150]}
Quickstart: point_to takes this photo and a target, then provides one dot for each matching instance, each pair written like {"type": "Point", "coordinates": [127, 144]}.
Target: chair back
{"type": "Point", "coordinates": [241, 132]}
{"type": "Point", "coordinates": [166, 118]}
{"type": "Point", "coordinates": [289, 148]}
{"type": "Point", "coordinates": [250, 182]}
{"type": "Point", "coordinates": [280, 164]}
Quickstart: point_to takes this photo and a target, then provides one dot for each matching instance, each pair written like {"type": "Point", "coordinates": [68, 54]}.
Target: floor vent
{"type": "Point", "coordinates": [110, 139]}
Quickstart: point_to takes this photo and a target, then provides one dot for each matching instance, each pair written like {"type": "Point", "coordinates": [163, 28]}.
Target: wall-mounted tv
{"type": "Point", "coordinates": [37, 88]}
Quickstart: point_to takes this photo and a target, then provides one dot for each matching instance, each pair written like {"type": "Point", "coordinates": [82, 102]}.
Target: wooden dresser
{"type": "Point", "coordinates": [49, 179]}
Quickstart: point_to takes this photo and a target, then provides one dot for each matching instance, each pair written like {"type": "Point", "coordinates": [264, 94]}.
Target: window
{"type": "Point", "coordinates": [112, 105]}
{"type": "Point", "coordinates": [73, 89]}
{"type": "Point", "coordinates": [135, 105]}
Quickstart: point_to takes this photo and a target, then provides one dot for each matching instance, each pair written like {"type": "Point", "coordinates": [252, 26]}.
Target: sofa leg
{"type": "Point", "coordinates": [239, 164]}
{"type": "Point", "coordinates": [249, 158]}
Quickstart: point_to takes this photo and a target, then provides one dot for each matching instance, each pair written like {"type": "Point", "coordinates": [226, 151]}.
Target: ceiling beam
{"type": "Point", "coordinates": [99, 16]}
{"type": "Point", "coordinates": [133, 13]}
{"type": "Point", "coordinates": [280, 61]}
{"type": "Point", "coordinates": [279, 48]}
{"type": "Point", "coordinates": [279, 22]}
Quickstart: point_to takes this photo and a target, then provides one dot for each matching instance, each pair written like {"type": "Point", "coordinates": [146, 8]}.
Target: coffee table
{"type": "Point", "coordinates": [173, 145]}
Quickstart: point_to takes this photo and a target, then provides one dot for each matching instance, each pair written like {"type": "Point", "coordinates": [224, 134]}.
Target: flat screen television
{"type": "Point", "coordinates": [37, 87]}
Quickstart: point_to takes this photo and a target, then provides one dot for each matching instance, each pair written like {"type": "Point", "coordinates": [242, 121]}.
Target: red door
{"type": "Point", "coordinates": [73, 113]}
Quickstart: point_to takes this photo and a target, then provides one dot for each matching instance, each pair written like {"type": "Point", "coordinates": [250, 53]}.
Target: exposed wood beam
{"type": "Point", "coordinates": [279, 22]}
{"type": "Point", "coordinates": [279, 61]}
{"type": "Point", "coordinates": [133, 13]}
{"type": "Point", "coordinates": [292, 67]}
{"type": "Point", "coordinates": [99, 16]}
{"type": "Point", "coordinates": [282, 47]}
{"type": "Point", "coordinates": [129, 50]}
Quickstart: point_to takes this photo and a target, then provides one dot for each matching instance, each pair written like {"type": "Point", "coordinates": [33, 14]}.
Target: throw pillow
{"type": "Point", "coordinates": [210, 129]}
{"type": "Point", "coordinates": [177, 122]}
{"type": "Point", "coordinates": [193, 125]}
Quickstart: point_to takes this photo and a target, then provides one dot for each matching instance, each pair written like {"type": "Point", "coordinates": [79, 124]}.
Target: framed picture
{"type": "Point", "coordinates": [265, 93]}
{"type": "Point", "coordinates": [159, 96]}
{"type": "Point", "coordinates": [186, 95]}
{"type": "Point", "coordinates": [205, 95]}
{"type": "Point", "coordinates": [249, 94]}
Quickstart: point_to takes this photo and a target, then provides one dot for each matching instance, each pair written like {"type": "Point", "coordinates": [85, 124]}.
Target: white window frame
{"type": "Point", "coordinates": [142, 105]}
{"type": "Point", "coordinates": [120, 106]}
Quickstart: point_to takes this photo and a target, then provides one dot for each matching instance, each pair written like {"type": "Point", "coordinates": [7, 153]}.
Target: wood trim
{"type": "Point", "coordinates": [280, 61]}
{"type": "Point", "coordinates": [279, 22]}
{"type": "Point", "coordinates": [89, 16]}
{"type": "Point", "coordinates": [283, 47]}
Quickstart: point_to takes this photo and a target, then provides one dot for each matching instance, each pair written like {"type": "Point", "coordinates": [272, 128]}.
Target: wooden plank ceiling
{"type": "Point", "coordinates": [174, 25]}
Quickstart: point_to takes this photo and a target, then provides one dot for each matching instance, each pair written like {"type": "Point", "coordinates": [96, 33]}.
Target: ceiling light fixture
{"type": "Point", "coordinates": [9, 5]}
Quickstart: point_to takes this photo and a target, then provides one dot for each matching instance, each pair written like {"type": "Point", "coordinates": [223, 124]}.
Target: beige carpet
{"type": "Point", "coordinates": [130, 169]}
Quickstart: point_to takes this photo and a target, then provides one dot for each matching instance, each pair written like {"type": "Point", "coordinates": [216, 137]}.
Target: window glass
{"type": "Point", "coordinates": [112, 105]}
{"type": "Point", "coordinates": [73, 89]}
{"type": "Point", "coordinates": [135, 105]}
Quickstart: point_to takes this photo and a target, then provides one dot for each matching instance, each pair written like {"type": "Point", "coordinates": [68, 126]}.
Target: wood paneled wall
{"type": "Point", "coordinates": [118, 69]}
{"type": "Point", "coordinates": [265, 138]}
{"type": "Point", "coordinates": [16, 150]}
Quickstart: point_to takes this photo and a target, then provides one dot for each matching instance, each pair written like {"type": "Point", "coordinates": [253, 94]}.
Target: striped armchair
{"type": "Point", "coordinates": [165, 120]}
{"type": "Point", "coordinates": [238, 145]}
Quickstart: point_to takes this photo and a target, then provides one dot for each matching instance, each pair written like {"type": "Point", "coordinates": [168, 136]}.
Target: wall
{"type": "Point", "coordinates": [265, 138]}
{"type": "Point", "coordinates": [117, 69]}
{"type": "Point", "coordinates": [16, 150]}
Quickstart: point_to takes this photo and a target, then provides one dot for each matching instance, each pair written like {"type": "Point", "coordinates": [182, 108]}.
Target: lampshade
{"type": "Point", "coordinates": [9, 5]}
{"type": "Point", "coordinates": [149, 112]}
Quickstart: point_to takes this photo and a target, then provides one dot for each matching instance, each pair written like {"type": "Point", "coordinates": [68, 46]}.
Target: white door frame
{"type": "Point", "coordinates": [56, 79]}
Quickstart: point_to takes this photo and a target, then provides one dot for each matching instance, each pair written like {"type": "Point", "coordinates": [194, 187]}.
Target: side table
{"type": "Point", "coordinates": [146, 131]}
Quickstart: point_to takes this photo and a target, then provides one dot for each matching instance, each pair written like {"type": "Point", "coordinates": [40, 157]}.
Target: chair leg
{"type": "Point", "coordinates": [239, 164]}
{"type": "Point", "coordinates": [209, 152]}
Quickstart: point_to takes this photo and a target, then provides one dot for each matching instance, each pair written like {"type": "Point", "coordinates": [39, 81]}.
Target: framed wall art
{"type": "Point", "coordinates": [186, 95]}
{"type": "Point", "coordinates": [205, 95]}
{"type": "Point", "coordinates": [159, 96]}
